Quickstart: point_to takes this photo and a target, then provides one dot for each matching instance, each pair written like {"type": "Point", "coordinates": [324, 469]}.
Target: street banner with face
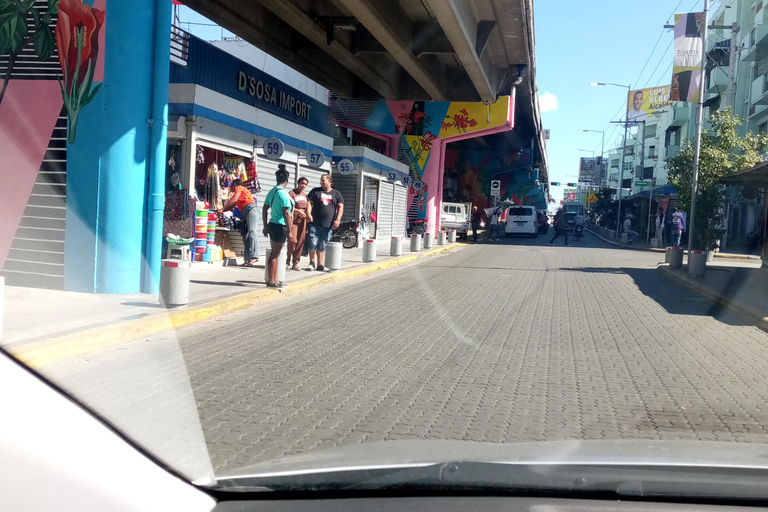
{"type": "Point", "coordinates": [686, 61]}
{"type": "Point", "coordinates": [642, 103]}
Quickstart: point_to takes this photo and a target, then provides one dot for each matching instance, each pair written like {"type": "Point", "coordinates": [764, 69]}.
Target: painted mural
{"type": "Point", "coordinates": [474, 170]}
{"type": "Point", "coordinates": [77, 40]}
{"type": "Point", "coordinates": [424, 124]}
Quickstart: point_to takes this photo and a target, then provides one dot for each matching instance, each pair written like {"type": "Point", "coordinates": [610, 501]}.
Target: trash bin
{"type": "Point", "coordinates": [369, 251]}
{"type": "Point", "coordinates": [452, 236]}
{"type": "Point", "coordinates": [280, 264]}
{"type": "Point", "coordinates": [396, 246]}
{"type": "Point", "coordinates": [427, 242]}
{"type": "Point", "coordinates": [676, 257]}
{"type": "Point", "coordinates": [333, 251]}
{"type": "Point", "coordinates": [174, 283]}
{"type": "Point", "coordinates": [441, 238]}
{"type": "Point", "coordinates": [415, 243]}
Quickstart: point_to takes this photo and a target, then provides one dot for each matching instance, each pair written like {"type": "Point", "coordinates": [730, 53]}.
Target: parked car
{"type": "Point", "coordinates": [543, 222]}
{"type": "Point", "coordinates": [456, 216]}
{"type": "Point", "coordinates": [522, 220]}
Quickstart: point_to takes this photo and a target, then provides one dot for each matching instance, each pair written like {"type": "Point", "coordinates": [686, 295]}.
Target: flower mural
{"type": "Point", "coordinates": [461, 121]}
{"type": "Point", "coordinates": [77, 39]}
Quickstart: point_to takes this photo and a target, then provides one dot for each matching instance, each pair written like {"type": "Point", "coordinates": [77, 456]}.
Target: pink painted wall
{"type": "Point", "coordinates": [28, 115]}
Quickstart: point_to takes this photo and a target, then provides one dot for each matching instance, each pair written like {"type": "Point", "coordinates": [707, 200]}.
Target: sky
{"type": "Point", "coordinates": [578, 43]}
{"type": "Point", "coordinates": [597, 41]}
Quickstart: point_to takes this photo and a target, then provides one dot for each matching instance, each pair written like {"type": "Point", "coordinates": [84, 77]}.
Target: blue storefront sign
{"type": "Point", "coordinates": [215, 69]}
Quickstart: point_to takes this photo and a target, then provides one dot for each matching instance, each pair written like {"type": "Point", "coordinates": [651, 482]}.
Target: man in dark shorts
{"type": "Point", "coordinates": [279, 224]}
{"type": "Point", "coordinates": [324, 211]}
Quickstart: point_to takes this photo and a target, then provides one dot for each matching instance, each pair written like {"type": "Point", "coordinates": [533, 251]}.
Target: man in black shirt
{"type": "Point", "coordinates": [324, 210]}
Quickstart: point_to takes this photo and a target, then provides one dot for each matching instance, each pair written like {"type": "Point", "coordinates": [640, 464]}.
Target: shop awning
{"type": "Point", "coordinates": [757, 176]}
{"type": "Point", "coordinates": [661, 190]}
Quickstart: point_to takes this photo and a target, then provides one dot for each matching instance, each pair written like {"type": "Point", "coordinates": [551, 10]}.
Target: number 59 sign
{"type": "Point", "coordinates": [273, 148]}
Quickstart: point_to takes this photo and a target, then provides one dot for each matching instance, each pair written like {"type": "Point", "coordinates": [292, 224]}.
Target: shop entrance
{"type": "Point", "coordinates": [370, 198]}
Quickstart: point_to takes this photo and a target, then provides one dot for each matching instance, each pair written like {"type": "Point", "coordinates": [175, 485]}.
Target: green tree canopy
{"type": "Point", "coordinates": [723, 151]}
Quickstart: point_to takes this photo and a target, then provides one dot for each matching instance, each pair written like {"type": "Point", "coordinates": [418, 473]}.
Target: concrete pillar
{"type": "Point", "coordinates": [432, 176]}
{"type": "Point", "coordinates": [108, 165]}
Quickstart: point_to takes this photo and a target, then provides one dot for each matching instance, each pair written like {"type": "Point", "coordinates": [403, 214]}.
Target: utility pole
{"type": "Point", "coordinates": [732, 59]}
{"type": "Point", "coordinates": [699, 118]}
{"type": "Point", "coordinates": [621, 177]}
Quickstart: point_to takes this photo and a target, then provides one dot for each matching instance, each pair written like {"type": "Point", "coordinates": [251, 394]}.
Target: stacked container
{"type": "Point", "coordinates": [201, 230]}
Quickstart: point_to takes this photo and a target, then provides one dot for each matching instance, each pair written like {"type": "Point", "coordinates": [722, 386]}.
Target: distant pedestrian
{"type": "Point", "coordinates": [477, 218]}
{"type": "Point", "coordinates": [660, 218]}
{"type": "Point", "coordinates": [678, 226]}
{"type": "Point", "coordinates": [244, 201]}
{"type": "Point", "coordinates": [299, 227]}
{"type": "Point", "coordinates": [279, 224]}
{"type": "Point", "coordinates": [325, 209]}
{"type": "Point", "coordinates": [494, 233]}
{"type": "Point", "coordinates": [627, 228]}
{"type": "Point", "coordinates": [561, 227]}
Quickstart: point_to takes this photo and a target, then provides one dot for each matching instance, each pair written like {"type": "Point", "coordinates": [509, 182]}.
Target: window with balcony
{"type": "Point", "coordinates": [627, 166]}
{"type": "Point", "coordinates": [651, 151]}
{"type": "Point", "coordinates": [752, 38]}
{"type": "Point", "coordinates": [763, 128]}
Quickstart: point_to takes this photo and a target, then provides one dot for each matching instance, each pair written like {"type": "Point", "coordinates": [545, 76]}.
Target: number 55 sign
{"type": "Point", "coordinates": [346, 167]}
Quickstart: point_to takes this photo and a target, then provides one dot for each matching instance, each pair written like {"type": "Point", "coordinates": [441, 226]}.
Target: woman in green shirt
{"type": "Point", "coordinates": [279, 224]}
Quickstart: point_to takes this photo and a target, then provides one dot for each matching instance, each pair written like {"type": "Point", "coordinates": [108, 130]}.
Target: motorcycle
{"type": "Point", "coordinates": [578, 232]}
{"type": "Point", "coordinates": [346, 233]}
{"type": "Point", "coordinates": [417, 226]}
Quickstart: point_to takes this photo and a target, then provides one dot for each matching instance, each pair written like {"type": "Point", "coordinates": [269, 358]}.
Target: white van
{"type": "Point", "coordinates": [521, 220]}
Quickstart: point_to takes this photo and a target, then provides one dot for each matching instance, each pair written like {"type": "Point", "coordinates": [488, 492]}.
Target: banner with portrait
{"type": "Point", "coordinates": [687, 57]}
{"type": "Point", "coordinates": [643, 104]}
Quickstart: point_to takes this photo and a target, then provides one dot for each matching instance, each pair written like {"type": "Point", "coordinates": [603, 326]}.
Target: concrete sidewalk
{"type": "Point", "coordinates": [640, 244]}
{"type": "Point", "coordinates": [738, 285]}
{"type": "Point", "coordinates": [38, 317]}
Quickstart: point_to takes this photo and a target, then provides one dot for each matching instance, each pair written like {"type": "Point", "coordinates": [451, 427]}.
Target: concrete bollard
{"type": "Point", "coordinates": [333, 252]}
{"type": "Point", "coordinates": [369, 251]}
{"type": "Point", "coordinates": [396, 246]}
{"type": "Point", "coordinates": [281, 259]}
{"type": "Point", "coordinates": [676, 257]}
{"type": "Point", "coordinates": [441, 238]}
{"type": "Point", "coordinates": [624, 238]}
{"type": "Point", "coordinates": [667, 252]}
{"type": "Point", "coordinates": [427, 241]}
{"type": "Point", "coordinates": [174, 283]}
{"type": "Point", "coordinates": [415, 243]}
{"type": "Point", "coordinates": [697, 263]}
{"type": "Point", "coordinates": [654, 243]}
{"type": "Point", "coordinates": [452, 236]}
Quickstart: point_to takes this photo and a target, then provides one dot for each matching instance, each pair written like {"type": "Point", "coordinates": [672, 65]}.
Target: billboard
{"type": "Point", "coordinates": [588, 170]}
{"type": "Point", "coordinates": [686, 60]}
{"type": "Point", "coordinates": [570, 194]}
{"type": "Point", "coordinates": [642, 103]}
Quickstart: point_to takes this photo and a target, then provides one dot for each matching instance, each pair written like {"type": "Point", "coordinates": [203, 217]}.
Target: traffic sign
{"type": "Point", "coordinates": [642, 183]}
{"type": "Point", "coordinates": [346, 167]}
{"type": "Point", "coordinates": [273, 148]}
{"type": "Point", "coordinates": [495, 188]}
{"type": "Point", "coordinates": [592, 198]}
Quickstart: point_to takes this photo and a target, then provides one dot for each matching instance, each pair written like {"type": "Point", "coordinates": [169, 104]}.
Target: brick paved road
{"type": "Point", "coordinates": [518, 341]}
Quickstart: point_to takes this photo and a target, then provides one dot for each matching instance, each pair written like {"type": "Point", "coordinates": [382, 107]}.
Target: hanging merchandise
{"type": "Point", "coordinates": [231, 163]}
{"type": "Point", "coordinates": [252, 177]}
{"type": "Point", "coordinates": [200, 156]}
{"type": "Point", "coordinates": [213, 188]}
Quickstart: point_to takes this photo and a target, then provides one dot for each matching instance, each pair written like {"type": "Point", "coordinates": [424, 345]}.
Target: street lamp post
{"type": "Point", "coordinates": [623, 150]}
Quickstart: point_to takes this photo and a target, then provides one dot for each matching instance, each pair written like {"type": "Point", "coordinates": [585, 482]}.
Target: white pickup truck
{"type": "Point", "coordinates": [456, 216]}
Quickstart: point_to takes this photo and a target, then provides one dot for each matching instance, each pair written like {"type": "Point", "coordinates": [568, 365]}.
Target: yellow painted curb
{"type": "Point", "coordinates": [84, 342]}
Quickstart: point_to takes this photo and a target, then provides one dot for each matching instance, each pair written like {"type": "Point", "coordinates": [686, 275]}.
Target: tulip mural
{"type": "Point", "coordinates": [77, 39]}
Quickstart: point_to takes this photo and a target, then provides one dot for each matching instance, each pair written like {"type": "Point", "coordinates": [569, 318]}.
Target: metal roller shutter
{"type": "Point", "coordinates": [384, 211]}
{"type": "Point", "coordinates": [347, 185]}
{"type": "Point", "coordinates": [267, 169]}
{"type": "Point", "coordinates": [400, 210]}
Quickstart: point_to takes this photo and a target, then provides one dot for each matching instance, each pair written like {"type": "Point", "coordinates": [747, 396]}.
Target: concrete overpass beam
{"type": "Point", "coordinates": [387, 22]}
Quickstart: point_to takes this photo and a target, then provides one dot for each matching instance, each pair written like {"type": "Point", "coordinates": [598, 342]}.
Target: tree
{"type": "Point", "coordinates": [723, 151]}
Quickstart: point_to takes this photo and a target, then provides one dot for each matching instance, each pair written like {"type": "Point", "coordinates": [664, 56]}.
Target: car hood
{"type": "Point", "coordinates": [402, 454]}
